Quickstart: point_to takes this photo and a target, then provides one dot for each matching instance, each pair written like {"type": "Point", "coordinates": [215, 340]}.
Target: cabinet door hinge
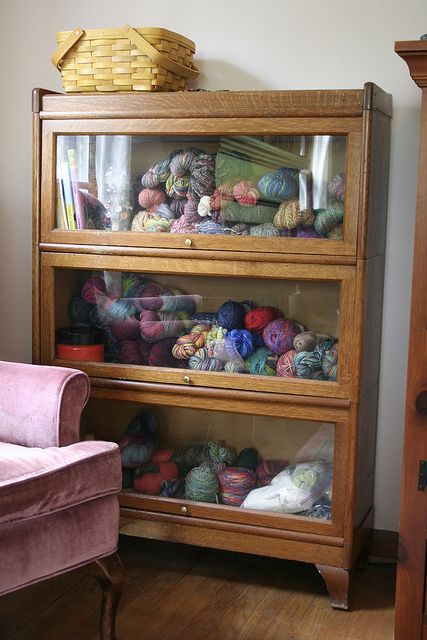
{"type": "Point", "coordinates": [422, 475]}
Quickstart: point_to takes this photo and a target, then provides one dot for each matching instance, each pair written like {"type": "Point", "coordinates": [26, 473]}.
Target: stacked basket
{"type": "Point", "coordinates": [126, 59]}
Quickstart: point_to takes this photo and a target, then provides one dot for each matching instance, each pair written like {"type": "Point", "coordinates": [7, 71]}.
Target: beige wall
{"type": "Point", "coordinates": [241, 44]}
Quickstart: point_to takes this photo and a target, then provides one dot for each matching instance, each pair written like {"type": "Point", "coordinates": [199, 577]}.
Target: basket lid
{"type": "Point", "coordinates": [113, 34]}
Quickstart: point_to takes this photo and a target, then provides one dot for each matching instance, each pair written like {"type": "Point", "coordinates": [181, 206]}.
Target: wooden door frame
{"type": "Point", "coordinates": [410, 619]}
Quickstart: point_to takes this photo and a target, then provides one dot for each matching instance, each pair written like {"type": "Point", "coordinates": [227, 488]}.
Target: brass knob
{"type": "Point", "coordinates": [186, 379]}
{"type": "Point", "coordinates": [188, 242]}
{"type": "Point", "coordinates": [184, 509]}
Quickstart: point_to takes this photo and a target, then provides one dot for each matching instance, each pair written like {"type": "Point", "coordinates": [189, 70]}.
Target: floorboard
{"type": "Point", "coordinates": [177, 592]}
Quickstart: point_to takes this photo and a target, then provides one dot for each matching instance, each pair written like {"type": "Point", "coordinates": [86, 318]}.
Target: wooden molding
{"type": "Point", "coordinates": [414, 53]}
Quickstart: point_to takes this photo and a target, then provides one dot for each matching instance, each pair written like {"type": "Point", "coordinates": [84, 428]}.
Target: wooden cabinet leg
{"type": "Point", "coordinates": [109, 573]}
{"type": "Point", "coordinates": [337, 581]}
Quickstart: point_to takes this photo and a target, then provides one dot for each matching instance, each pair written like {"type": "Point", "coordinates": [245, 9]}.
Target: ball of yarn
{"type": "Point", "coordinates": [192, 456]}
{"type": "Point", "coordinates": [279, 335]}
{"type": "Point", "coordinates": [219, 453]}
{"type": "Point", "coordinates": [169, 302]}
{"type": "Point", "coordinates": [150, 199]}
{"type": "Point", "coordinates": [132, 285]}
{"type": "Point", "coordinates": [130, 352]}
{"type": "Point", "coordinates": [248, 458]}
{"type": "Point", "coordinates": [149, 477]}
{"type": "Point", "coordinates": [265, 230]}
{"type": "Point", "coordinates": [235, 484]}
{"type": "Point", "coordinates": [231, 315]}
{"type": "Point", "coordinates": [324, 344]}
{"type": "Point", "coordinates": [245, 193]}
{"type": "Point", "coordinates": [279, 185]}
{"type": "Point", "coordinates": [201, 484]}
{"type": "Point", "coordinates": [157, 224]}
{"type": "Point", "coordinates": [336, 187]}
{"type": "Point", "coordinates": [308, 363]}
{"type": "Point", "coordinates": [240, 229]}
{"type": "Point", "coordinates": [184, 348]}
{"type": "Point", "coordinates": [202, 180]}
{"type": "Point", "coordinates": [291, 216]}
{"type": "Point", "coordinates": [177, 207]}
{"type": "Point", "coordinates": [235, 365]}
{"type": "Point", "coordinates": [327, 219]}
{"type": "Point", "coordinates": [79, 310]}
{"type": "Point", "coordinates": [262, 362]}
{"type": "Point", "coordinates": [177, 187]}
{"type": "Point", "coordinates": [135, 450]}
{"type": "Point", "coordinates": [150, 179]}
{"type": "Point", "coordinates": [172, 488]}
{"type": "Point", "coordinates": [221, 197]}
{"type": "Point", "coordinates": [154, 328]}
{"type": "Point", "coordinates": [211, 227]}
{"type": "Point", "coordinates": [306, 232]}
{"type": "Point", "coordinates": [126, 329]}
{"type": "Point", "coordinates": [268, 469]}
{"type": "Point", "coordinates": [239, 341]}
{"type": "Point", "coordinates": [93, 288]}
{"type": "Point", "coordinates": [285, 367]}
{"type": "Point", "coordinates": [118, 310]}
{"type": "Point", "coordinates": [139, 219]}
{"type": "Point", "coordinates": [305, 341]}
{"type": "Point", "coordinates": [138, 442]}
{"type": "Point", "coordinates": [202, 361]}
{"type": "Point", "coordinates": [336, 233]}
{"type": "Point", "coordinates": [257, 319]}
{"type": "Point", "coordinates": [164, 211]}
{"type": "Point", "coordinates": [330, 362]}
{"type": "Point", "coordinates": [181, 163]}
{"type": "Point", "coordinates": [204, 206]}
{"type": "Point", "coordinates": [162, 455]}
{"type": "Point", "coordinates": [161, 353]}
{"type": "Point", "coordinates": [199, 334]}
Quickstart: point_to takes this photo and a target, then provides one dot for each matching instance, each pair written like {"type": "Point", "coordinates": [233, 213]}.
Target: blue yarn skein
{"type": "Point", "coordinates": [279, 185]}
{"type": "Point", "coordinates": [240, 341]}
{"type": "Point", "coordinates": [231, 315]}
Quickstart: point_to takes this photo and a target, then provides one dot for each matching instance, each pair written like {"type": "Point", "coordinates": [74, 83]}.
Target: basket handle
{"type": "Point", "coordinates": [65, 46]}
{"type": "Point", "coordinates": [158, 57]}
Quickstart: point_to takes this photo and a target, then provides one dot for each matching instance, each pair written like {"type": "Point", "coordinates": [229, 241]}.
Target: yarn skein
{"type": "Point", "coordinates": [279, 335]}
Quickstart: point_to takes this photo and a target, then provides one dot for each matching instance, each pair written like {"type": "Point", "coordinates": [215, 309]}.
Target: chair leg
{"type": "Point", "coordinates": [109, 573]}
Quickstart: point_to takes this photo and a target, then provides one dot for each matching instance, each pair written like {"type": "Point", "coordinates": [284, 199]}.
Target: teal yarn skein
{"type": "Point", "coordinates": [330, 362]}
{"type": "Point", "coordinates": [220, 454]}
{"type": "Point", "coordinates": [201, 484]}
{"type": "Point", "coordinates": [327, 219]}
{"type": "Point", "coordinates": [266, 230]}
{"type": "Point", "coordinates": [262, 362]}
{"type": "Point", "coordinates": [308, 363]}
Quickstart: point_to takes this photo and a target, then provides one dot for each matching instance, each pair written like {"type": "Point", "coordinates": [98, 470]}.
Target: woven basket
{"type": "Point", "coordinates": [124, 60]}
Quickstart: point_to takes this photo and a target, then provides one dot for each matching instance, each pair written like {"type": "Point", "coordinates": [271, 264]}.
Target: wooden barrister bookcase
{"type": "Point", "coordinates": [270, 199]}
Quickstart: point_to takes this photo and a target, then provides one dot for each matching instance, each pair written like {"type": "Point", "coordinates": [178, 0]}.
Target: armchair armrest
{"type": "Point", "coordinates": [40, 406]}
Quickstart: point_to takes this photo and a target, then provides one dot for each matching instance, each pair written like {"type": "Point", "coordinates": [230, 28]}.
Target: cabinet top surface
{"type": "Point", "coordinates": [212, 104]}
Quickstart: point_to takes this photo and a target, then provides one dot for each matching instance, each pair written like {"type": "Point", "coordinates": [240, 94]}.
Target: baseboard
{"type": "Point", "coordinates": [383, 545]}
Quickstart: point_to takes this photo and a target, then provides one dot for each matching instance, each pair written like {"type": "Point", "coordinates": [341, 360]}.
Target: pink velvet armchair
{"type": "Point", "coordinates": [58, 496]}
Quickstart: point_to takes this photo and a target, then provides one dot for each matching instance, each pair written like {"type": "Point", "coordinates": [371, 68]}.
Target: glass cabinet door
{"type": "Point", "coordinates": [242, 332]}
{"type": "Point", "coordinates": [262, 187]}
{"type": "Point", "coordinates": [256, 464]}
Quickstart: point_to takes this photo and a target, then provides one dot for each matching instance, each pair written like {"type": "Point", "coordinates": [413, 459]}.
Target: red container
{"type": "Point", "coordinates": [79, 343]}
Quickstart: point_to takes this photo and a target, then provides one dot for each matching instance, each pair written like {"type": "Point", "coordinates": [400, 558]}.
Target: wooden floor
{"type": "Point", "coordinates": [176, 592]}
